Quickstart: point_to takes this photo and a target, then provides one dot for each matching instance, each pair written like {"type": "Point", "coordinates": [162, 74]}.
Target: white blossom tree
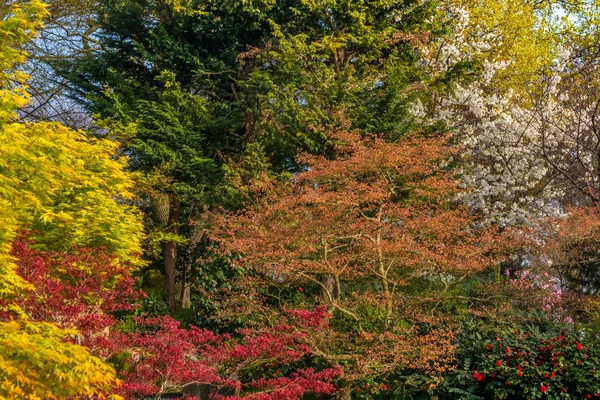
{"type": "Point", "coordinates": [527, 153]}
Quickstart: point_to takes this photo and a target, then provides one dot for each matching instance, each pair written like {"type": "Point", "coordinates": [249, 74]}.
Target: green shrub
{"type": "Point", "coordinates": [550, 361]}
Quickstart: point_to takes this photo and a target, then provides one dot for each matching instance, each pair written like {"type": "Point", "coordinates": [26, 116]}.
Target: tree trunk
{"type": "Point", "coordinates": [171, 255]}
{"type": "Point", "coordinates": [183, 299]}
{"type": "Point", "coordinates": [343, 391]}
{"type": "Point", "coordinates": [328, 289]}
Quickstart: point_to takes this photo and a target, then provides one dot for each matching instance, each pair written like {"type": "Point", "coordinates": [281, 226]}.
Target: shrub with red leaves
{"type": "Point", "coordinates": [163, 357]}
{"type": "Point", "coordinates": [76, 289]}
{"type": "Point", "coordinates": [80, 289]}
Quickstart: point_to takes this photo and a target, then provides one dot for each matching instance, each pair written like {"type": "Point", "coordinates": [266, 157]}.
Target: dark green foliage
{"type": "Point", "coordinates": [275, 71]}
{"type": "Point", "coordinates": [211, 273]}
{"type": "Point", "coordinates": [517, 361]}
{"type": "Point", "coordinates": [170, 137]}
{"type": "Point", "coordinates": [581, 271]}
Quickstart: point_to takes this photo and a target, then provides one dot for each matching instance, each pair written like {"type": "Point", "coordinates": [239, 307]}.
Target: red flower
{"type": "Point", "coordinates": [519, 367]}
{"type": "Point", "coordinates": [477, 376]}
{"type": "Point", "coordinates": [384, 387]}
{"type": "Point", "coordinates": [553, 375]}
{"type": "Point", "coordinates": [578, 346]}
{"type": "Point", "coordinates": [543, 389]}
{"type": "Point", "coordinates": [588, 396]}
{"type": "Point", "coordinates": [508, 351]}
{"type": "Point", "coordinates": [563, 390]}
{"type": "Point", "coordinates": [301, 289]}
{"type": "Point", "coordinates": [519, 373]}
{"type": "Point", "coordinates": [489, 346]}
{"type": "Point", "coordinates": [498, 363]}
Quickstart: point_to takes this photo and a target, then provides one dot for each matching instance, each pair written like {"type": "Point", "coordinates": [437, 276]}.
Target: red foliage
{"type": "Point", "coordinates": [374, 202]}
{"type": "Point", "coordinates": [166, 356]}
{"type": "Point", "coordinates": [318, 318]}
{"type": "Point", "coordinates": [161, 356]}
{"type": "Point", "coordinates": [295, 386]}
{"type": "Point", "coordinates": [81, 288]}
{"type": "Point", "coordinates": [76, 289]}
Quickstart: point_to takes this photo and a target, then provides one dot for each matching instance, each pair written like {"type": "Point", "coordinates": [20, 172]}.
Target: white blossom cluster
{"type": "Point", "coordinates": [519, 162]}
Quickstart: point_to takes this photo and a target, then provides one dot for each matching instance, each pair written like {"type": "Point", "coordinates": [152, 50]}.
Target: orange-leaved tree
{"type": "Point", "coordinates": [374, 229]}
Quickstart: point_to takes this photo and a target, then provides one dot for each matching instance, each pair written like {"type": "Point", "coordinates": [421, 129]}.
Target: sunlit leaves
{"type": "Point", "coordinates": [72, 191]}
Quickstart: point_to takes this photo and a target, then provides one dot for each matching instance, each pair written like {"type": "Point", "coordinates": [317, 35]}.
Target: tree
{"type": "Point", "coordinates": [202, 82]}
{"type": "Point", "coordinates": [365, 227]}
{"type": "Point", "coordinates": [333, 60]}
{"type": "Point", "coordinates": [173, 81]}
{"type": "Point", "coordinates": [529, 149]}
{"type": "Point", "coordinates": [521, 33]}
{"type": "Point", "coordinates": [168, 146]}
{"type": "Point", "coordinates": [52, 180]}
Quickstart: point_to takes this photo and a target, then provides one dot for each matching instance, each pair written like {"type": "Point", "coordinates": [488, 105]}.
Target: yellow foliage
{"type": "Point", "coordinates": [523, 34]}
{"type": "Point", "coordinates": [18, 24]}
{"type": "Point", "coordinates": [36, 363]}
{"type": "Point", "coordinates": [72, 191]}
{"type": "Point", "coordinates": [67, 187]}
{"type": "Point", "coordinates": [530, 35]}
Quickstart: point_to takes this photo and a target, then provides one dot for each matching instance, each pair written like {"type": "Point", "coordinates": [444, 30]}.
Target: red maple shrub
{"type": "Point", "coordinates": [83, 288]}
{"type": "Point", "coordinates": [77, 289]}
{"type": "Point", "coordinates": [268, 365]}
